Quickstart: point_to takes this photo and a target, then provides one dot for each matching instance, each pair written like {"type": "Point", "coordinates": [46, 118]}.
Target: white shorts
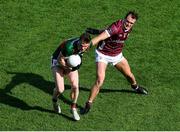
{"type": "Point", "coordinates": [54, 62]}
{"type": "Point", "coordinates": [108, 59]}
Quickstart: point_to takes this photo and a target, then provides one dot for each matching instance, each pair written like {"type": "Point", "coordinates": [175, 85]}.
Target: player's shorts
{"type": "Point", "coordinates": [54, 62]}
{"type": "Point", "coordinates": [108, 59]}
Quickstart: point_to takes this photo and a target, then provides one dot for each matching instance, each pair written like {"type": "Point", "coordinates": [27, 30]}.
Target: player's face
{"type": "Point", "coordinates": [129, 22]}
{"type": "Point", "coordinates": [84, 46]}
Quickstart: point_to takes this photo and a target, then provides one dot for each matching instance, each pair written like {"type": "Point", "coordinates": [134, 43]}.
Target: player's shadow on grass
{"type": "Point", "coordinates": [7, 99]}
{"type": "Point", "coordinates": [105, 90]}
{"type": "Point", "coordinates": [47, 86]}
{"type": "Point", "coordinates": [34, 80]}
{"type": "Point", "coordinates": [39, 82]}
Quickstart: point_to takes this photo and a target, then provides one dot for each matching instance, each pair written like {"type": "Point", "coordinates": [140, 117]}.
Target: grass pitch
{"type": "Point", "coordinates": [31, 30]}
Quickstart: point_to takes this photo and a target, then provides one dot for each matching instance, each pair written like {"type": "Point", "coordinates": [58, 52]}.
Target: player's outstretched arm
{"type": "Point", "coordinates": [104, 35]}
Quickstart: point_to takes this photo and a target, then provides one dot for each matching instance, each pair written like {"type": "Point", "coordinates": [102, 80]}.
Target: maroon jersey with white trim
{"type": "Point", "coordinates": [113, 45]}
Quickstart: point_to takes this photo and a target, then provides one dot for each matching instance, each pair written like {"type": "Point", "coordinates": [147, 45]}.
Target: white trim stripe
{"type": "Point", "coordinates": [107, 33]}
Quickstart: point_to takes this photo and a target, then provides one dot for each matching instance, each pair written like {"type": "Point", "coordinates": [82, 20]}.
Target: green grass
{"type": "Point", "coordinates": [31, 30]}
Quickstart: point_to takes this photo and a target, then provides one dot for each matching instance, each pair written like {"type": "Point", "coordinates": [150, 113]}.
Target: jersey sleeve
{"type": "Point", "coordinates": [113, 28]}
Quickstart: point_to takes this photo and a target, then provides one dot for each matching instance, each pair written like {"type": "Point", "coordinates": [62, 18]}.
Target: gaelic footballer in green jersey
{"type": "Point", "coordinates": [70, 47]}
{"type": "Point", "coordinates": [60, 69]}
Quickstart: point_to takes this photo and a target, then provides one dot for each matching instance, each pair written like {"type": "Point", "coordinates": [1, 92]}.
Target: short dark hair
{"type": "Point", "coordinates": [85, 38]}
{"type": "Point", "coordinates": [133, 14]}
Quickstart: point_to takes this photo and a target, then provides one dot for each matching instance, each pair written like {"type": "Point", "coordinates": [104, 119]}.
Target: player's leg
{"type": "Point", "coordinates": [124, 67]}
{"type": "Point", "coordinates": [74, 80]}
{"type": "Point", "coordinates": [100, 76]}
{"type": "Point", "coordinates": [59, 87]}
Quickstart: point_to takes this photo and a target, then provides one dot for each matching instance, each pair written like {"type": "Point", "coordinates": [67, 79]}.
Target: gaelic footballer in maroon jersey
{"type": "Point", "coordinates": [110, 43]}
{"type": "Point", "coordinates": [113, 45]}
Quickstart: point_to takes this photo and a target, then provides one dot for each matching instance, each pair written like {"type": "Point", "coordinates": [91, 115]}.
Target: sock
{"type": "Point", "coordinates": [73, 105]}
{"type": "Point", "coordinates": [89, 101]}
{"type": "Point", "coordinates": [54, 100]}
{"type": "Point", "coordinates": [134, 86]}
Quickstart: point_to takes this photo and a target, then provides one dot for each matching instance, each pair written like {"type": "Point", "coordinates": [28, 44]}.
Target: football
{"type": "Point", "coordinates": [74, 60]}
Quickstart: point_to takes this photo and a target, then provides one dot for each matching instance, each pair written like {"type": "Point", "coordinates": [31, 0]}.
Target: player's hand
{"type": "Point", "coordinates": [64, 64]}
{"type": "Point", "coordinates": [66, 69]}
{"type": "Point", "coordinates": [93, 31]}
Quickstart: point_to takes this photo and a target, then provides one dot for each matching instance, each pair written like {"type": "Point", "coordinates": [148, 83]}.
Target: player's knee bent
{"type": "Point", "coordinates": [59, 91]}
{"type": "Point", "coordinates": [74, 88]}
{"type": "Point", "coordinates": [99, 82]}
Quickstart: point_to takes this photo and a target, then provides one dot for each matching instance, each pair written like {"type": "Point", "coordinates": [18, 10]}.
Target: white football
{"type": "Point", "coordinates": [74, 60]}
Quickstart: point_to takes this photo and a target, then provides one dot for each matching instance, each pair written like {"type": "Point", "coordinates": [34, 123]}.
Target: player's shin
{"type": "Point", "coordinates": [56, 106]}
{"type": "Point", "coordinates": [74, 96]}
{"type": "Point", "coordinates": [94, 93]}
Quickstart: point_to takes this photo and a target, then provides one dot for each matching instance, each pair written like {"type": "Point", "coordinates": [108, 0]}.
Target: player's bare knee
{"type": "Point", "coordinates": [99, 82]}
{"type": "Point", "coordinates": [74, 87]}
{"type": "Point", "coordinates": [59, 91]}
